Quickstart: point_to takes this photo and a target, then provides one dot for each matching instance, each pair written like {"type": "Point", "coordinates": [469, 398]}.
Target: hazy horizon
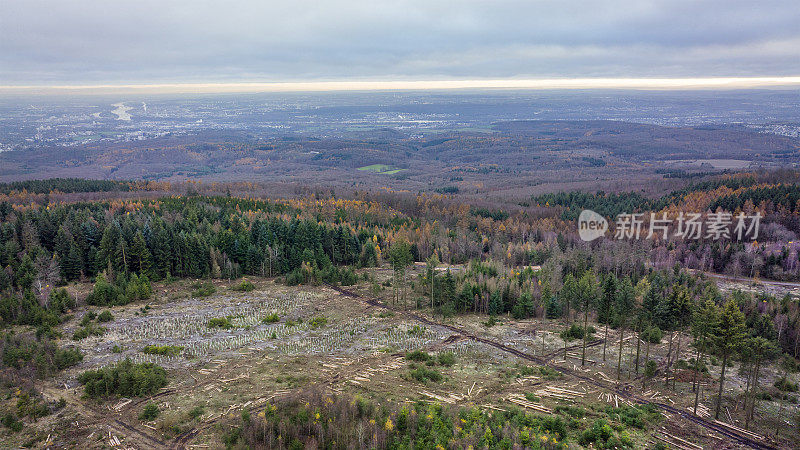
{"type": "Point", "coordinates": [49, 43]}
{"type": "Point", "coordinates": [709, 83]}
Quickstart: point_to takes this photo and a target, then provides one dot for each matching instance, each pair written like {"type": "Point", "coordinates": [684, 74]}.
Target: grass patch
{"type": "Point", "coordinates": [196, 412]}
{"type": "Point", "coordinates": [383, 169]}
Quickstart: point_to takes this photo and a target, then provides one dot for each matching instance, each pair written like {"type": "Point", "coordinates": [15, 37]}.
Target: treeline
{"type": "Point", "coordinates": [605, 204]}
{"type": "Point", "coordinates": [613, 204]}
{"type": "Point", "coordinates": [785, 196]}
{"type": "Point", "coordinates": [185, 237]}
{"type": "Point", "coordinates": [65, 185]}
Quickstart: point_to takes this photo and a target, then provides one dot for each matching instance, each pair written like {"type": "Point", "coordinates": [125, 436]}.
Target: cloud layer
{"type": "Point", "coordinates": [68, 42]}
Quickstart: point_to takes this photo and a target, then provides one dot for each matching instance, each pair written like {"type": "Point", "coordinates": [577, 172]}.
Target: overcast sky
{"type": "Point", "coordinates": [176, 41]}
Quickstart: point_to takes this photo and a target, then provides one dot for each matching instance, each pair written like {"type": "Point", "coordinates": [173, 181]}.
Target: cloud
{"type": "Point", "coordinates": [44, 42]}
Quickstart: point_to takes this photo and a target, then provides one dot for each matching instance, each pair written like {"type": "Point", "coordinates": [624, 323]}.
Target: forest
{"type": "Point", "coordinates": [446, 258]}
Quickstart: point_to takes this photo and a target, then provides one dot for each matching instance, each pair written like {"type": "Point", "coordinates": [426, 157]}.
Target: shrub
{"type": "Point", "coordinates": [786, 385]}
{"type": "Point", "coordinates": [574, 411]}
{"type": "Point", "coordinates": [601, 435]}
{"type": "Point", "coordinates": [634, 416]}
{"type": "Point", "coordinates": [88, 330]}
{"type": "Point", "coordinates": [417, 330]}
{"type": "Point", "coordinates": [31, 405]}
{"type": "Point", "coordinates": [272, 318]}
{"type": "Point", "coordinates": [447, 359]}
{"type": "Point", "coordinates": [220, 322]}
{"type": "Point", "coordinates": [244, 286]}
{"type": "Point", "coordinates": [88, 318]}
{"type": "Point", "coordinates": [549, 373]}
{"type": "Point", "coordinates": [576, 331]}
{"type": "Point", "coordinates": [318, 322]}
{"type": "Point", "coordinates": [231, 437]}
{"type": "Point", "coordinates": [652, 334]}
{"type": "Point", "coordinates": [150, 412]}
{"type": "Point", "coordinates": [44, 357]}
{"type": "Point", "coordinates": [11, 422]}
{"type": "Point", "coordinates": [418, 355]}
{"type": "Point", "coordinates": [122, 292]}
{"type": "Point", "coordinates": [164, 350]}
{"type": "Point", "coordinates": [423, 374]}
{"type": "Point", "coordinates": [650, 369]}
{"type": "Point", "coordinates": [203, 289]}
{"type": "Point", "coordinates": [105, 316]}
{"type": "Point", "coordinates": [124, 379]}
{"type": "Point", "coordinates": [196, 412]}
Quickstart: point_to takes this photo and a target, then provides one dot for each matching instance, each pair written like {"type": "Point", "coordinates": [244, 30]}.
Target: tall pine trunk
{"type": "Point", "coordinates": [721, 383]}
{"type": "Point", "coordinates": [638, 347]}
{"type": "Point", "coordinates": [695, 382]}
{"type": "Point", "coordinates": [619, 359]}
{"type": "Point", "coordinates": [585, 332]}
{"type": "Point", "coordinates": [677, 356]}
{"type": "Point", "coordinates": [605, 341]}
{"type": "Point", "coordinates": [669, 358]}
{"type": "Point", "coordinates": [754, 393]}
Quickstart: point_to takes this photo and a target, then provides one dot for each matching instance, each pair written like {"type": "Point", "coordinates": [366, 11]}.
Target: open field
{"type": "Point", "coordinates": [381, 168]}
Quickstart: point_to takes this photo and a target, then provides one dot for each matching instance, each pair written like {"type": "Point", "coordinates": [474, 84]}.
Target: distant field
{"type": "Point", "coordinates": [381, 168]}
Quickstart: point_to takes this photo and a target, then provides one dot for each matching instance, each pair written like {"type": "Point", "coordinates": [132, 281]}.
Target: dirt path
{"type": "Point", "coordinates": [134, 435]}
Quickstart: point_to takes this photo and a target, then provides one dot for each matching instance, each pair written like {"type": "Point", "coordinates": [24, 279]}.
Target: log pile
{"type": "Point", "coordinates": [741, 431]}
{"type": "Point", "coordinates": [450, 399]}
{"type": "Point", "coordinates": [559, 393]}
{"type": "Point", "coordinates": [518, 399]}
{"type": "Point", "coordinates": [673, 441]}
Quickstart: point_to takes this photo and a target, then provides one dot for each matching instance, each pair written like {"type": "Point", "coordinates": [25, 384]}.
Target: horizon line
{"type": "Point", "coordinates": [410, 85]}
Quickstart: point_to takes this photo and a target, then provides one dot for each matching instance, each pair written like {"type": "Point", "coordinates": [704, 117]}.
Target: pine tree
{"type": "Point", "coordinates": [727, 339]}
{"type": "Point", "coordinates": [605, 306]}
{"type": "Point", "coordinates": [704, 322]}
{"type": "Point", "coordinates": [400, 258]}
{"type": "Point", "coordinates": [626, 298]}
{"type": "Point", "coordinates": [568, 295]}
{"type": "Point", "coordinates": [587, 292]}
{"type": "Point", "coordinates": [140, 256]}
{"type": "Point", "coordinates": [430, 274]}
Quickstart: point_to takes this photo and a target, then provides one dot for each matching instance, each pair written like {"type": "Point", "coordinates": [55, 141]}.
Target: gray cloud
{"type": "Point", "coordinates": [110, 41]}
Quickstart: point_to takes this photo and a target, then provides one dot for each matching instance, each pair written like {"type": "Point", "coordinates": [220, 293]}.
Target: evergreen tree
{"type": "Point", "coordinates": [140, 256]}
{"type": "Point", "coordinates": [587, 292]}
{"type": "Point", "coordinates": [704, 323]}
{"type": "Point", "coordinates": [605, 306]}
{"type": "Point", "coordinates": [625, 301]}
{"type": "Point", "coordinates": [727, 339]}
